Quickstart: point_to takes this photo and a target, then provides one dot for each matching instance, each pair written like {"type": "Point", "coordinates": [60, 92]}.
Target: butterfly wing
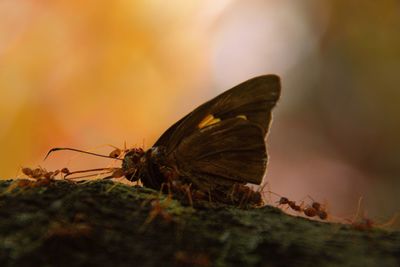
{"type": "Point", "coordinates": [166, 136]}
{"type": "Point", "coordinates": [254, 98]}
{"type": "Point", "coordinates": [232, 150]}
{"type": "Point", "coordinates": [224, 137]}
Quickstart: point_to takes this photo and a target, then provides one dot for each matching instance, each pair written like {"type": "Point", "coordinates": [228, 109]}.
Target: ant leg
{"type": "Point", "coordinates": [232, 193]}
{"type": "Point", "coordinates": [189, 194]}
{"type": "Point", "coordinates": [209, 196]}
{"type": "Point", "coordinates": [262, 192]}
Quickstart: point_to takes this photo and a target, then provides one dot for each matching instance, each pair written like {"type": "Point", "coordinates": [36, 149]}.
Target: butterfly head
{"type": "Point", "coordinates": [133, 158]}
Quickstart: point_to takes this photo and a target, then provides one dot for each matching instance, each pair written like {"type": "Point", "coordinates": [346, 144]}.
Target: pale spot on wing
{"type": "Point", "coordinates": [207, 121]}
{"type": "Point", "coordinates": [242, 117]}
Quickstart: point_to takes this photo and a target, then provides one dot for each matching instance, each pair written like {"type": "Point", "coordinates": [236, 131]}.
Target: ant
{"type": "Point", "coordinates": [312, 212]}
{"type": "Point", "coordinates": [365, 224]}
{"type": "Point", "coordinates": [118, 153]}
{"type": "Point", "coordinates": [159, 209]}
{"type": "Point", "coordinates": [290, 203]}
{"type": "Point", "coordinates": [41, 173]}
{"type": "Point", "coordinates": [316, 209]}
{"type": "Point", "coordinates": [243, 195]}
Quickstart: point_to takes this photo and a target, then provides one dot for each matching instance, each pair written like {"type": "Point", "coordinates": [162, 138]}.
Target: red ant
{"type": "Point", "coordinates": [117, 152]}
{"type": "Point", "coordinates": [159, 209]}
{"type": "Point", "coordinates": [244, 195]}
{"type": "Point", "coordinates": [41, 173]}
{"type": "Point", "coordinates": [318, 208]}
{"type": "Point", "coordinates": [290, 203]}
{"type": "Point", "coordinates": [365, 224]}
{"type": "Point", "coordinates": [311, 211]}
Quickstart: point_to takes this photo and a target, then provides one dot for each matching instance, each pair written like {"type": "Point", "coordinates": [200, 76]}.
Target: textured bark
{"type": "Point", "coordinates": [103, 223]}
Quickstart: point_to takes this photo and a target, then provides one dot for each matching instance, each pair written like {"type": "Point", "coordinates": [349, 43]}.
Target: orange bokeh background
{"type": "Point", "coordinates": [85, 74]}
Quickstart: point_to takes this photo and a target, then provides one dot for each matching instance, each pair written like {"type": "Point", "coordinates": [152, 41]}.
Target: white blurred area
{"type": "Point", "coordinates": [258, 37]}
{"type": "Point", "coordinates": [84, 75]}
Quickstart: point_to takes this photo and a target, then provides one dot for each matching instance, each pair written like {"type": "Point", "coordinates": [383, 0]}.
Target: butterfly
{"type": "Point", "coordinates": [214, 149]}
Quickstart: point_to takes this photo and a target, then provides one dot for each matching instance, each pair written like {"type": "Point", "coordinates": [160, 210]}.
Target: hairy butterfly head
{"type": "Point", "coordinates": [130, 163]}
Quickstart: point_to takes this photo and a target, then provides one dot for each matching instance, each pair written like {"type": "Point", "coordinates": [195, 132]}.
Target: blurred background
{"type": "Point", "coordinates": [89, 73]}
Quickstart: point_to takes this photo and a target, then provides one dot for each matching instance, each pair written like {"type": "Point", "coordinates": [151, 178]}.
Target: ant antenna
{"type": "Point", "coordinates": [276, 194]}
{"type": "Point", "coordinates": [77, 150]}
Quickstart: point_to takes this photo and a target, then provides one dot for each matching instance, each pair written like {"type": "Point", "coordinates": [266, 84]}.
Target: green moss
{"type": "Point", "coordinates": [104, 223]}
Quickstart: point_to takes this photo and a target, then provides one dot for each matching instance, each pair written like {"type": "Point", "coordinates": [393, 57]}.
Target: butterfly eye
{"type": "Point", "coordinates": [135, 158]}
{"type": "Point", "coordinates": [134, 155]}
{"type": "Point", "coordinates": [137, 155]}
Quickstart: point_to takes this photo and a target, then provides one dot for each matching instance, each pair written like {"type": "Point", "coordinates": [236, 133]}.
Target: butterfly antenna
{"type": "Point", "coordinates": [92, 170]}
{"type": "Point", "coordinates": [91, 175]}
{"type": "Point", "coordinates": [77, 150]}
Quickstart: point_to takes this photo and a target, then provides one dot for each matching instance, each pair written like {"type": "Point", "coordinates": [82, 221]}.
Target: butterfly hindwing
{"type": "Point", "coordinates": [233, 150]}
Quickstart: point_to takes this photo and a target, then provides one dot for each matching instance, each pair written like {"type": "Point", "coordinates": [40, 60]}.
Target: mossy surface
{"type": "Point", "coordinates": [104, 223]}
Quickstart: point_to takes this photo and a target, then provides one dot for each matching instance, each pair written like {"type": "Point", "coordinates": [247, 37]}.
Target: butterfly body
{"type": "Point", "coordinates": [216, 149]}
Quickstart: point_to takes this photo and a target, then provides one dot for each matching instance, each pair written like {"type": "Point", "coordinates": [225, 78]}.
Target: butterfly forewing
{"type": "Point", "coordinates": [254, 99]}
